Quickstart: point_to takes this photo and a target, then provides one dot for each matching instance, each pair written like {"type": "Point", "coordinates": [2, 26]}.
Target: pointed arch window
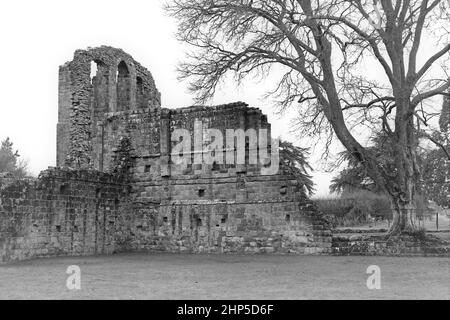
{"type": "Point", "coordinates": [123, 81]}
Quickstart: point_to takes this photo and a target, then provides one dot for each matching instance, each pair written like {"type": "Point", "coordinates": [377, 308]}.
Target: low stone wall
{"type": "Point", "coordinates": [223, 214]}
{"type": "Point", "coordinates": [84, 212]}
{"type": "Point", "coordinates": [63, 212]}
{"type": "Point", "coordinates": [221, 227]}
{"type": "Point", "coordinates": [69, 213]}
{"type": "Point", "coordinates": [389, 246]}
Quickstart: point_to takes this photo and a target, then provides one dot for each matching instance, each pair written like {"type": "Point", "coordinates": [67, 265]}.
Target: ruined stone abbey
{"type": "Point", "coordinates": [115, 187]}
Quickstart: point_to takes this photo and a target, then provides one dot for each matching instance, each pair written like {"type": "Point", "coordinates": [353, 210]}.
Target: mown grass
{"type": "Point", "coordinates": [180, 276]}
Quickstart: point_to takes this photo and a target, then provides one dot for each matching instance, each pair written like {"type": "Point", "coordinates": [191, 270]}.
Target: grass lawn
{"type": "Point", "coordinates": [180, 276]}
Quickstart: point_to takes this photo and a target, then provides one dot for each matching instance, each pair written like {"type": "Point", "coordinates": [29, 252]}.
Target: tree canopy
{"type": "Point", "coordinates": [434, 165]}
{"type": "Point", "coordinates": [9, 160]}
{"type": "Point", "coordinates": [293, 159]}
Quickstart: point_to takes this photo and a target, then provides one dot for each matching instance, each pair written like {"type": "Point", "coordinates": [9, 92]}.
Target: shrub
{"type": "Point", "coordinates": [419, 234]}
{"type": "Point", "coordinates": [358, 207]}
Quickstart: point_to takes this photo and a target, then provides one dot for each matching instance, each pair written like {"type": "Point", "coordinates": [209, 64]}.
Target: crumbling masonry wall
{"type": "Point", "coordinates": [228, 215]}
{"type": "Point", "coordinates": [117, 188]}
{"type": "Point", "coordinates": [220, 208]}
{"type": "Point", "coordinates": [80, 212]}
{"type": "Point", "coordinates": [119, 84]}
{"type": "Point", "coordinates": [63, 212]}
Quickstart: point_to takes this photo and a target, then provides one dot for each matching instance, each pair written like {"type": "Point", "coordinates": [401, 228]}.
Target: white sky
{"type": "Point", "coordinates": [38, 36]}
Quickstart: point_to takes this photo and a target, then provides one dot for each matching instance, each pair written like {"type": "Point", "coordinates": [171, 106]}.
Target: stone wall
{"type": "Point", "coordinates": [381, 245]}
{"type": "Point", "coordinates": [61, 213]}
{"type": "Point", "coordinates": [232, 116]}
{"type": "Point", "coordinates": [80, 212]}
{"type": "Point", "coordinates": [254, 214]}
{"type": "Point", "coordinates": [229, 228]}
{"type": "Point", "coordinates": [119, 83]}
{"type": "Point", "coordinates": [118, 189]}
{"type": "Point", "coordinates": [141, 127]}
{"type": "Point", "coordinates": [218, 208]}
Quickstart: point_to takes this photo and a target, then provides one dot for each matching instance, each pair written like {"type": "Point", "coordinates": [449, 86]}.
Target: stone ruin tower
{"type": "Point", "coordinates": [115, 187]}
{"type": "Point", "coordinates": [95, 85]}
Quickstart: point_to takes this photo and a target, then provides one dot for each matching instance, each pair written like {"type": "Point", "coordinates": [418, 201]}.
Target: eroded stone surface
{"type": "Point", "coordinates": [115, 188]}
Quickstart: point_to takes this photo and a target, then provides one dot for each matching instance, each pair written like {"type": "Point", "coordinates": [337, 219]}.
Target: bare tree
{"type": "Point", "coordinates": [321, 46]}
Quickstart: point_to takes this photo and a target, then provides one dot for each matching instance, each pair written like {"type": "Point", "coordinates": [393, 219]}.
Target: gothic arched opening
{"type": "Point", "coordinates": [140, 97]}
{"type": "Point", "coordinates": [123, 87]}
{"type": "Point", "coordinates": [100, 82]}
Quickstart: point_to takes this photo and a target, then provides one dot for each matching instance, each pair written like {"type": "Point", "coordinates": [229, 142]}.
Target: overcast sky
{"type": "Point", "coordinates": [38, 36]}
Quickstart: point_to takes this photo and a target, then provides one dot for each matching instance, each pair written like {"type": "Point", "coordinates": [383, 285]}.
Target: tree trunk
{"type": "Point", "coordinates": [403, 187]}
{"type": "Point", "coordinates": [404, 216]}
